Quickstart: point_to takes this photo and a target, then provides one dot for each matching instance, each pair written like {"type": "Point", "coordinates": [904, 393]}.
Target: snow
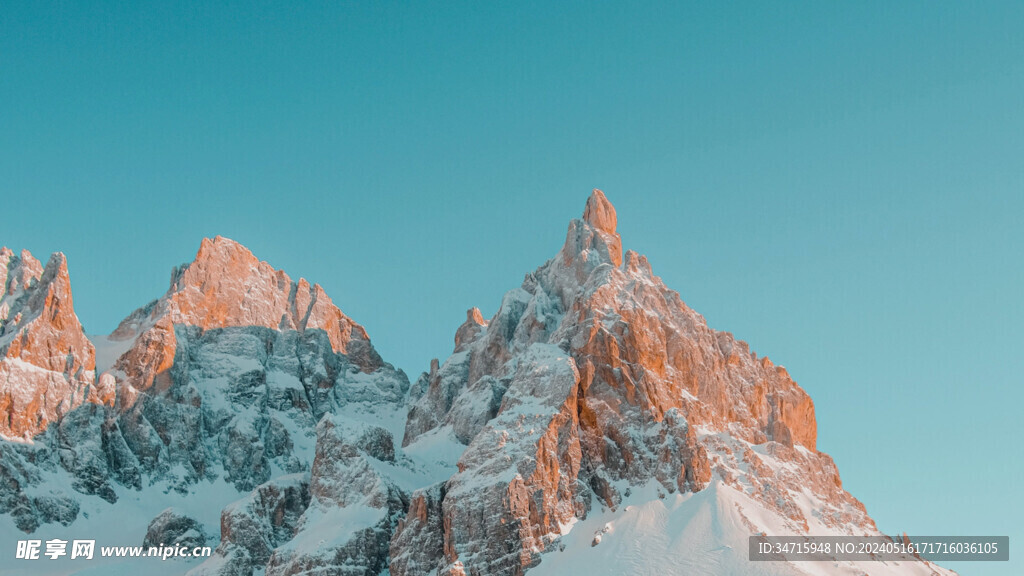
{"type": "Point", "coordinates": [437, 454]}
{"type": "Point", "coordinates": [123, 524]}
{"type": "Point", "coordinates": [327, 529]}
{"type": "Point", "coordinates": [108, 351]}
{"type": "Point", "coordinates": [702, 533]}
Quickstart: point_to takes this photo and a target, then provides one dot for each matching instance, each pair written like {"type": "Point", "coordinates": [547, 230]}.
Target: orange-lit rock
{"type": "Point", "coordinates": [227, 286]}
{"type": "Point", "coordinates": [470, 329]}
{"type": "Point", "coordinates": [46, 362]}
{"type": "Point", "coordinates": [600, 213]}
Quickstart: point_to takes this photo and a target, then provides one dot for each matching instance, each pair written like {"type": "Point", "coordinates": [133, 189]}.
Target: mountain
{"type": "Point", "coordinates": [594, 425]}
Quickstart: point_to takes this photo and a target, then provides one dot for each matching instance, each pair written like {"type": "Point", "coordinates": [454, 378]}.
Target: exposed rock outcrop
{"type": "Point", "coordinates": [522, 468]}
{"type": "Point", "coordinates": [417, 546]}
{"type": "Point", "coordinates": [254, 526]}
{"type": "Point", "coordinates": [226, 286]}
{"type": "Point", "coordinates": [46, 362]}
{"type": "Point", "coordinates": [171, 528]}
{"type": "Point", "coordinates": [354, 508]}
{"type": "Point", "coordinates": [224, 379]}
{"type": "Point", "coordinates": [470, 329]}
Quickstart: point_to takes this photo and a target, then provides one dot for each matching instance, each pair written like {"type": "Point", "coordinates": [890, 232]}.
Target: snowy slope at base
{"type": "Point", "coordinates": [123, 524]}
{"type": "Point", "coordinates": [696, 534]}
{"type": "Point", "coordinates": [432, 459]}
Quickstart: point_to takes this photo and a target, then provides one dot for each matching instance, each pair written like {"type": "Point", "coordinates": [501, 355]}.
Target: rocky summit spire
{"type": "Point", "coordinates": [470, 329]}
{"type": "Point", "coordinates": [46, 361]}
{"type": "Point", "coordinates": [599, 212]}
{"type": "Point", "coordinates": [593, 241]}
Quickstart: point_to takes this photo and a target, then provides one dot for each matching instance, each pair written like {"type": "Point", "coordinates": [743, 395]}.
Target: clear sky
{"type": "Point", "coordinates": [838, 183]}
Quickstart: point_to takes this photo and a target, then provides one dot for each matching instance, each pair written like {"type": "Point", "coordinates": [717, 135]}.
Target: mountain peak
{"type": "Point", "coordinates": [46, 361]}
{"type": "Point", "coordinates": [57, 265]}
{"type": "Point", "coordinates": [220, 248]}
{"type": "Point", "coordinates": [593, 240]}
{"type": "Point", "coordinates": [226, 286]}
{"type": "Point", "coordinates": [474, 315]}
{"type": "Point", "coordinates": [600, 213]}
{"type": "Point", "coordinates": [470, 329]}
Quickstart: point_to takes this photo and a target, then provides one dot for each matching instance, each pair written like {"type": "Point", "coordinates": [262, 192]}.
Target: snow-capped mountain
{"type": "Point", "coordinates": [594, 425]}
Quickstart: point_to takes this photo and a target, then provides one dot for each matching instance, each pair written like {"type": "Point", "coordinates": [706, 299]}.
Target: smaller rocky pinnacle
{"type": "Point", "coordinates": [470, 329]}
{"type": "Point", "coordinates": [474, 315]}
{"type": "Point", "coordinates": [600, 213]}
{"type": "Point", "coordinates": [58, 264]}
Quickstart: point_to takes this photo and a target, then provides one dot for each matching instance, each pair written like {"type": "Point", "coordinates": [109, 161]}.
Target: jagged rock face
{"type": "Point", "coordinates": [230, 371]}
{"type": "Point", "coordinates": [354, 508]}
{"type": "Point", "coordinates": [243, 402]}
{"type": "Point", "coordinates": [470, 329]}
{"type": "Point", "coordinates": [254, 526]}
{"type": "Point", "coordinates": [417, 546]}
{"type": "Point", "coordinates": [83, 449]}
{"type": "Point", "coordinates": [522, 468]}
{"type": "Point", "coordinates": [653, 388]}
{"type": "Point", "coordinates": [227, 286]}
{"type": "Point", "coordinates": [46, 362]}
{"type": "Point", "coordinates": [443, 387]}
{"type": "Point", "coordinates": [21, 467]}
{"type": "Point", "coordinates": [516, 486]}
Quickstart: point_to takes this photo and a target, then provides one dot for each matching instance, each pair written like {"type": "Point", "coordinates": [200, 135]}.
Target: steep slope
{"type": "Point", "coordinates": [594, 380]}
{"type": "Point", "coordinates": [46, 362]}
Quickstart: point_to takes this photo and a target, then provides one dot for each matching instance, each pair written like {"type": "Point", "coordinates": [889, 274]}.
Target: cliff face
{"type": "Point", "coordinates": [226, 286]}
{"type": "Point", "coordinates": [46, 362]}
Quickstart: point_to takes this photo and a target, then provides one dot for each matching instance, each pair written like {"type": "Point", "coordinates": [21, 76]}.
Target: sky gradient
{"type": "Point", "coordinates": [839, 184]}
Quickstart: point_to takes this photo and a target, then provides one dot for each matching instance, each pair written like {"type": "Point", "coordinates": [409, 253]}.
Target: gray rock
{"type": "Point", "coordinates": [171, 528]}
{"type": "Point", "coordinates": [354, 508]}
{"type": "Point", "coordinates": [254, 526]}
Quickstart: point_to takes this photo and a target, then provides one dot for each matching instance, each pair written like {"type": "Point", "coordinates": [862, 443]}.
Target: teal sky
{"type": "Point", "coordinates": [839, 184]}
